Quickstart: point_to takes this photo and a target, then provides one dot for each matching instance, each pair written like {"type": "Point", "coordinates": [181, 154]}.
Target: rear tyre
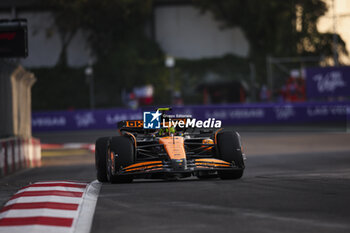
{"type": "Point", "coordinates": [229, 150]}
{"type": "Point", "coordinates": [100, 158]}
{"type": "Point", "coordinates": [124, 150]}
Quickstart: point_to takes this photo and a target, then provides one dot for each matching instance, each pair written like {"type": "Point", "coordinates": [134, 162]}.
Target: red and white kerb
{"type": "Point", "coordinates": [54, 206]}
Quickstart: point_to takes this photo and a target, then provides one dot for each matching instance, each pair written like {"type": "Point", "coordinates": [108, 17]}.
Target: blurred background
{"type": "Point", "coordinates": [222, 51]}
{"type": "Point", "coordinates": [241, 61]}
{"type": "Point", "coordinates": [277, 71]}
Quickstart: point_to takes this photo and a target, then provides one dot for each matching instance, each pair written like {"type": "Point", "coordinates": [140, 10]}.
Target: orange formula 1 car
{"type": "Point", "coordinates": [168, 153]}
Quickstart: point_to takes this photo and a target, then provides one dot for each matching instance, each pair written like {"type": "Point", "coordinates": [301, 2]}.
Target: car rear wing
{"type": "Point", "coordinates": [138, 124]}
{"type": "Point", "coordinates": [130, 124]}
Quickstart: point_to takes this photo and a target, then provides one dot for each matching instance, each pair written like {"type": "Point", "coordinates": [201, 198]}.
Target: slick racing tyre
{"type": "Point", "coordinates": [121, 153]}
{"type": "Point", "coordinates": [100, 158]}
{"type": "Point", "coordinates": [229, 150]}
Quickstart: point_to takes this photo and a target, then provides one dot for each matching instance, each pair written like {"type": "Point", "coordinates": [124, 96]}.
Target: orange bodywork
{"type": "Point", "coordinates": [201, 163]}
{"type": "Point", "coordinates": [215, 135]}
{"type": "Point", "coordinates": [153, 167]}
{"type": "Point", "coordinates": [134, 124]}
{"type": "Point", "coordinates": [210, 160]}
{"type": "Point", "coordinates": [144, 165]}
{"type": "Point", "coordinates": [174, 146]}
{"type": "Point", "coordinates": [207, 142]}
{"type": "Point", "coordinates": [133, 137]}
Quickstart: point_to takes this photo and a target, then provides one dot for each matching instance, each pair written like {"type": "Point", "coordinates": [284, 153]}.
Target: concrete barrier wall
{"type": "Point", "coordinates": [18, 153]}
{"type": "Point", "coordinates": [15, 100]}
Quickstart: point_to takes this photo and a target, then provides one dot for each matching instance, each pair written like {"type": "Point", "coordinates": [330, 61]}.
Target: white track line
{"type": "Point", "coordinates": [87, 208]}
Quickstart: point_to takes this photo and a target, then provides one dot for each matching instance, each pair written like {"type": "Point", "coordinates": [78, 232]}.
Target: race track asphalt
{"type": "Point", "coordinates": [294, 182]}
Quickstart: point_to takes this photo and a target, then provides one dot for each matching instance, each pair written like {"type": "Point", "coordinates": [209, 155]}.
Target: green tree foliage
{"type": "Point", "coordinates": [68, 18]}
{"type": "Point", "coordinates": [104, 22]}
{"type": "Point", "coordinates": [115, 31]}
{"type": "Point", "coordinates": [192, 73]}
{"type": "Point", "coordinates": [134, 61]}
{"type": "Point", "coordinates": [274, 27]}
{"type": "Point", "coordinates": [126, 57]}
{"type": "Point", "coordinates": [60, 88]}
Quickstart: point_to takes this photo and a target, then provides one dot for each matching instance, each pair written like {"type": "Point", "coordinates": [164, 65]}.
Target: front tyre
{"type": "Point", "coordinates": [121, 153]}
{"type": "Point", "coordinates": [100, 158]}
{"type": "Point", "coordinates": [229, 150]}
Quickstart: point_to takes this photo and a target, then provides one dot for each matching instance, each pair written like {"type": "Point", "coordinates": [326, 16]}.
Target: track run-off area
{"type": "Point", "coordinates": [293, 182]}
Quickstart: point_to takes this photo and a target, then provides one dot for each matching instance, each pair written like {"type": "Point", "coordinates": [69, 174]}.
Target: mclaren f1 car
{"type": "Point", "coordinates": [168, 153]}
